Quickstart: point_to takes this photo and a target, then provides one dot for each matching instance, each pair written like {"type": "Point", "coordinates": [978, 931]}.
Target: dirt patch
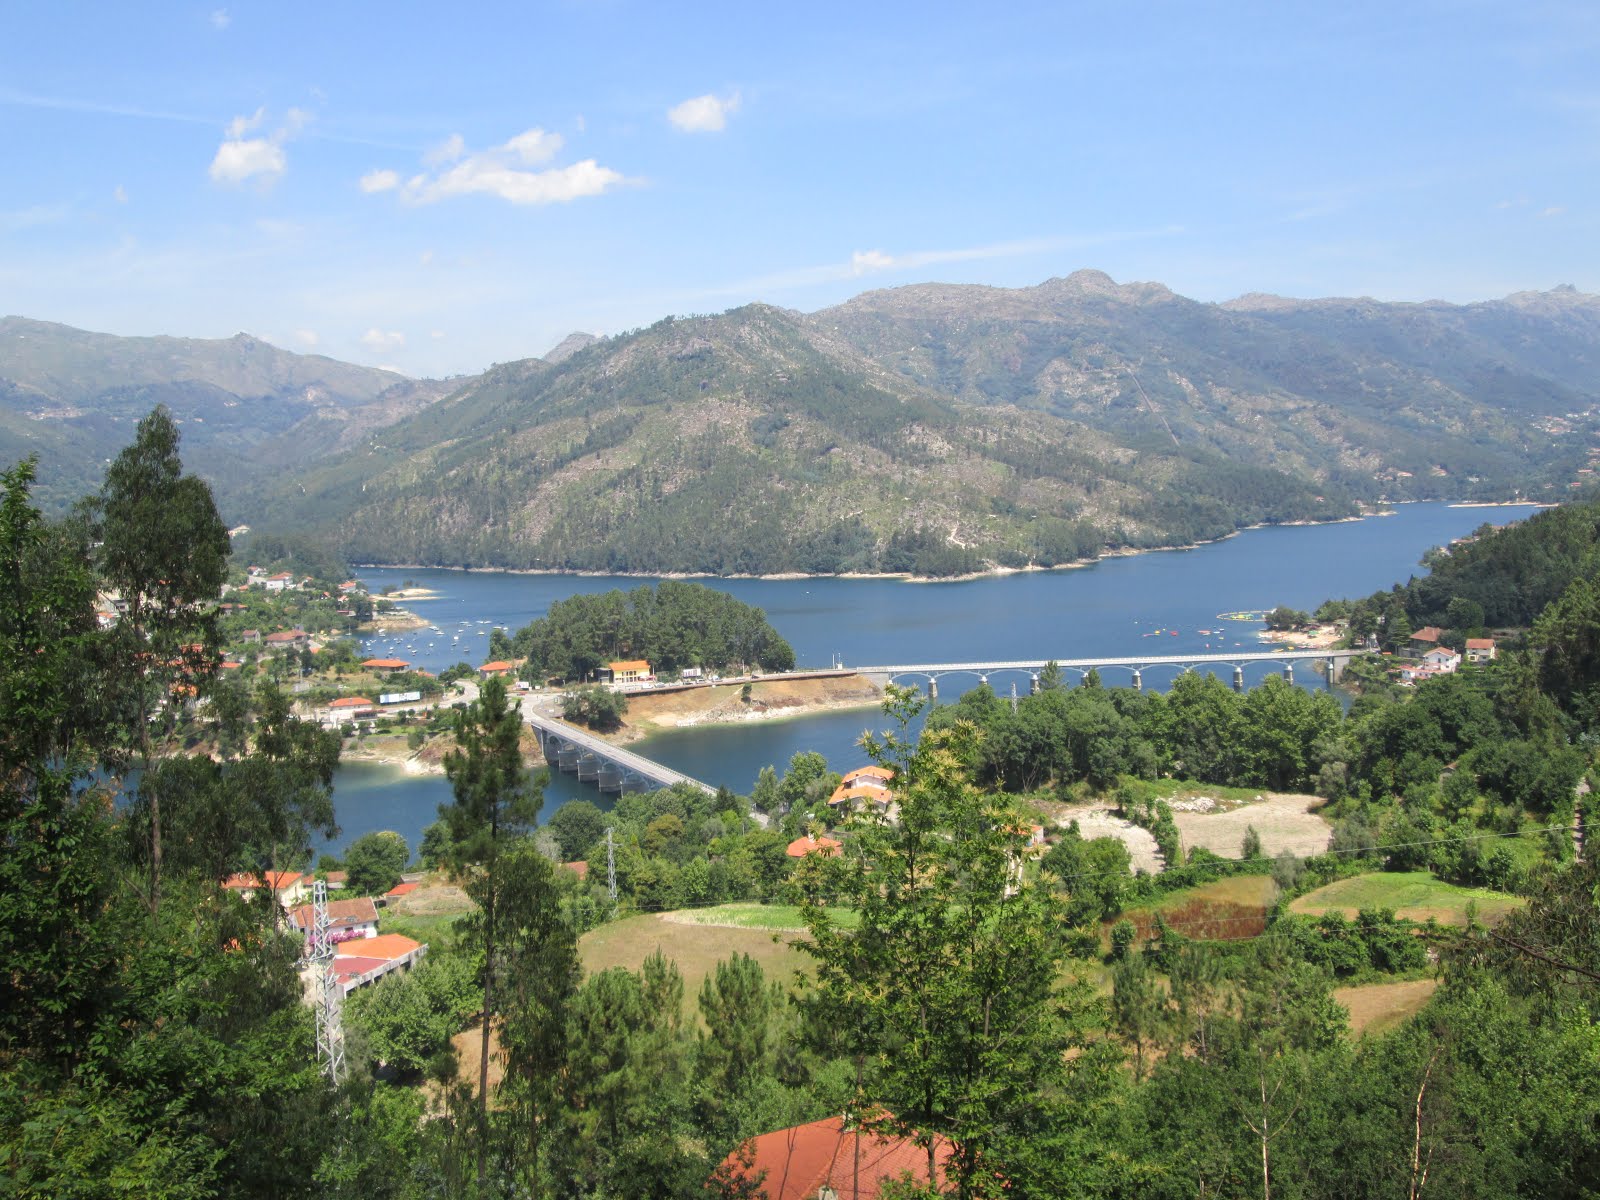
{"type": "Point", "coordinates": [1283, 821]}
{"type": "Point", "coordinates": [725, 704]}
{"type": "Point", "coordinates": [433, 900]}
{"type": "Point", "coordinates": [1098, 821]}
{"type": "Point", "coordinates": [1376, 1007]}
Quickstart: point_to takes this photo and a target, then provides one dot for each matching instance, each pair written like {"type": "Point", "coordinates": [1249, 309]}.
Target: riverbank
{"type": "Point", "coordinates": [731, 704]}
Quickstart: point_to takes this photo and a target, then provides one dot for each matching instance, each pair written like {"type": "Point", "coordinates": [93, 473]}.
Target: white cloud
{"type": "Point", "coordinates": [220, 19]}
{"type": "Point", "coordinates": [425, 257]}
{"type": "Point", "coordinates": [241, 157]}
{"type": "Point", "coordinates": [378, 339]}
{"type": "Point", "coordinates": [704, 114]}
{"type": "Point", "coordinates": [120, 195]}
{"type": "Point", "coordinates": [863, 261]}
{"type": "Point", "coordinates": [503, 171]}
{"type": "Point", "coordinates": [447, 151]}
{"type": "Point", "coordinates": [1555, 210]}
{"type": "Point", "coordinates": [237, 161]}
{"type": "Point", "coordinates": [380, 181]}
{"type": "Point", "coordinates": [437, 335]}
{"type": "Point", "coordinates": [306, 337]}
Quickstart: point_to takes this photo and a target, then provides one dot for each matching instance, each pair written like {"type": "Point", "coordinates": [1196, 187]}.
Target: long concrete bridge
{"type": "Point", "coordinates": [1333, 660]}
{"type": "Point", "coordinates": [595, 760]}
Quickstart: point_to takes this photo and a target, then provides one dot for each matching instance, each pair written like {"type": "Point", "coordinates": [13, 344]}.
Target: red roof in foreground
{"type": "Point", "coordinates": [386, 946]}
{"type": "Point", "coordinates": [799, 1162]}
{"type": "Point", "coordinates": [803, 846]}
{"type": "Point", "coordinates": [401, 889]}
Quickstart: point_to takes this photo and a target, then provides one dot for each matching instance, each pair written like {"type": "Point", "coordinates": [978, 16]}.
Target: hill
{"type": "Point", "coordinates": [754, 442]}
{"type": "Point", "coordinates": [74, 397]}
{"type": "Point", "coordinates": [1400, 401]}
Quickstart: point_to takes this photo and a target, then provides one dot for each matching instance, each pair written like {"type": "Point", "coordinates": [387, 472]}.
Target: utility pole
{"type": "Point", "coordinates": [611, 865]}
{"type": "Point", "coordinates": [329, 999]}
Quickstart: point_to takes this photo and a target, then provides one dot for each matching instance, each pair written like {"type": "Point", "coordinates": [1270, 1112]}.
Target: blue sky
{"type": "Point", "coordinates": [436, 188]}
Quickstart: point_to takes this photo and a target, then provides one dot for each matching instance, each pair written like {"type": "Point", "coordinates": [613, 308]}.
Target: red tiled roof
{"type": "Point", "coordinates": [289, 635]}
{"type": "Point", "coordinates": [351, 702]}
{"type": "Point", "coordinates": [342, 914]}
{"type": "Point", "coordinates": [386, 946]}
{"type": "Point", "coordinates": [248, 881]}
{"type": "Point", "coordinates": [401, 889]}
{"type": "Point", "coordinates": [1480, 643]}
{"type": "Point", "coordinates": [497, 665]}
{"type": "Point", "coordinates": [843, 794]}
{"type": "Point", "coordinates": [386, 663]}
{"type": "Point", "coordinates": [803, 846]}
{"type": "Point", "coordinates": [1428, 633]}
{"type": "Point", "coordinates": [631, 664]}
{"type": "Point", "coordinates": [797, 1163]}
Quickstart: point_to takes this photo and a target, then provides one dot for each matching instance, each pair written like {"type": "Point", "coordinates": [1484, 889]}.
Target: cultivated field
{"type": "Point", "coordinates": [1226, 910]}
{"type": "Point", "coordinates": [1413, 894]}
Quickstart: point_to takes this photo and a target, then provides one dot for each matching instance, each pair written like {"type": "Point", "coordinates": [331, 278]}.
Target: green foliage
{"type": "Point", "coordinates": [375, 861]}
{"type": "Point", "coordinates": [577, 825]}
{"type": "Point", "coordinates": [671, 625]}
{"type": "Point", "coordinates": [598, 707]}
{"type": "Point", "coordinates": [406, 1021]}
{"type": "Point", "coordinates": [948, 985]}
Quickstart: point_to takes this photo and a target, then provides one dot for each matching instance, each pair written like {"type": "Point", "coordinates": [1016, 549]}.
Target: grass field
{"type": "Point", "coordinates": [695, 948]}
{"type": "Point", "coordinates": [784, 917]}
{"type": "Point", "coordinates": [1413, 894]}
{"type": "Point", "coordinates": [1379, 1007]}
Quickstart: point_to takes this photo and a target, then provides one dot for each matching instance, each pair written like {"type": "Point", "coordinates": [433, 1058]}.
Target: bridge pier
{"type": "Point", "coordinates": [1288, 671]}
{"type": "Point", "coordinates": [1138, 680]}
{"type": "Point", "coordinates": [1033, 685]}
{"type": "Point", "coordinates": [1013, 695]}
{"type": "Point", "coordinates": [1332, 669]}
{"type": "Point", "coordinates": [1238, 679]}
{"type": "Point", "coordinates": [933, 689]}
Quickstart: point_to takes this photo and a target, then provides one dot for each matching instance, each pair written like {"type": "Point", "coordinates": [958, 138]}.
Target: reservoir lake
{"type": "Point", "coordinates": [1161, 602]}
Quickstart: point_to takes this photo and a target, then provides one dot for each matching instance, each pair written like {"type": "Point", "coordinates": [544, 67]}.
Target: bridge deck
{"type": "Point", "coordinates": [1130, 660]}
{"type": "Point", "coordinates": [626, 759]}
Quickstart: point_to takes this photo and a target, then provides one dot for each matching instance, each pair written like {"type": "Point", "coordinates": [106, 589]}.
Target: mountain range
{"type": "Point", "coordinates": [933, 428]}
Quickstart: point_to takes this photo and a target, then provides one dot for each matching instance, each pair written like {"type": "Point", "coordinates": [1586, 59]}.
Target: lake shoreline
{"type": "Point", "coordinates": [902, 576]}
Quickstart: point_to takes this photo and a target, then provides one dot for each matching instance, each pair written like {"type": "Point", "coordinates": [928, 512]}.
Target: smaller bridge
{"type": "Point", "coordinates": [1334, 661]}
{"type": "Point", "coordinates": [595, 760]}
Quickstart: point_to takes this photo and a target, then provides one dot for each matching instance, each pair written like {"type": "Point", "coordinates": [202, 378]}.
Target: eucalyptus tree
{"type": "Point", "coordinates": [497, 801]}
{"type": "Point", "coordinates": [164, 550]}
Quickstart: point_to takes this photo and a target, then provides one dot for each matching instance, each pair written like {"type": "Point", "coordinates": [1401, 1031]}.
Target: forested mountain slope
{"type": "Point", "coordinates": [1407, 401]}
{"type": "Point", "coordinates": [73, 397]}
{"type": "Point", "coordinates": [752, 442]}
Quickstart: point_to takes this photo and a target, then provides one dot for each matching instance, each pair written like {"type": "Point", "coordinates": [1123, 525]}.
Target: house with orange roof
{"type": "Point", "coordinates": [811, 844]}
{"type": "Point", "coordinates": [1425, 638]}
{"type": "Point", "coordinates": [633, 670]}
{"type": "Point", "coordinates": [347, 919]}
{"type": "Point", "coordinates": [290, 887]}
{"type": "Point", "coordinates": [365, 960]}
{"type": "Point", "coordinates": [868, 776]}
{"type": "Point", "coordinates": [499, 667]}
{"type": "Point", "coordinates": [385, 666]}
{"type": "Point", "coordinates": [289, 639]}
{"type": "Point", "coordinates": [1480, 650]}
{"type": "Point", "coordinates": [829, 1158]}
{"type": "Point", "coordinates": [351, 708]}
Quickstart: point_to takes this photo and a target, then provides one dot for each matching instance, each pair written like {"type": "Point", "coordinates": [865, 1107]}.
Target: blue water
{"type": "Point", "coordinates": [1141, 604]}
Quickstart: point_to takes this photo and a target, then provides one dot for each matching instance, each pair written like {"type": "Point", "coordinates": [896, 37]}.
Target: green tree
{"type": "Point", "coordinates": [949, 985]}
{"type": "Point", "coordinates": [497, 800]}
{"type": "Point", "coordinates": [164, 549]}
{"type": "Point", "coordinates": [375, 862]}
{"type": "Point", "coordinates": [577, 826]}
{"type": "Point", "coordinates": [737, 1048]}
{"type": "Point", "coordinates": [539, 976]}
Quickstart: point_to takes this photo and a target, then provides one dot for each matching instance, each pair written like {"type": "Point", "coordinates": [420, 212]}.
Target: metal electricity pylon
{"type": "Point", "coordinates": [328, 1000]}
